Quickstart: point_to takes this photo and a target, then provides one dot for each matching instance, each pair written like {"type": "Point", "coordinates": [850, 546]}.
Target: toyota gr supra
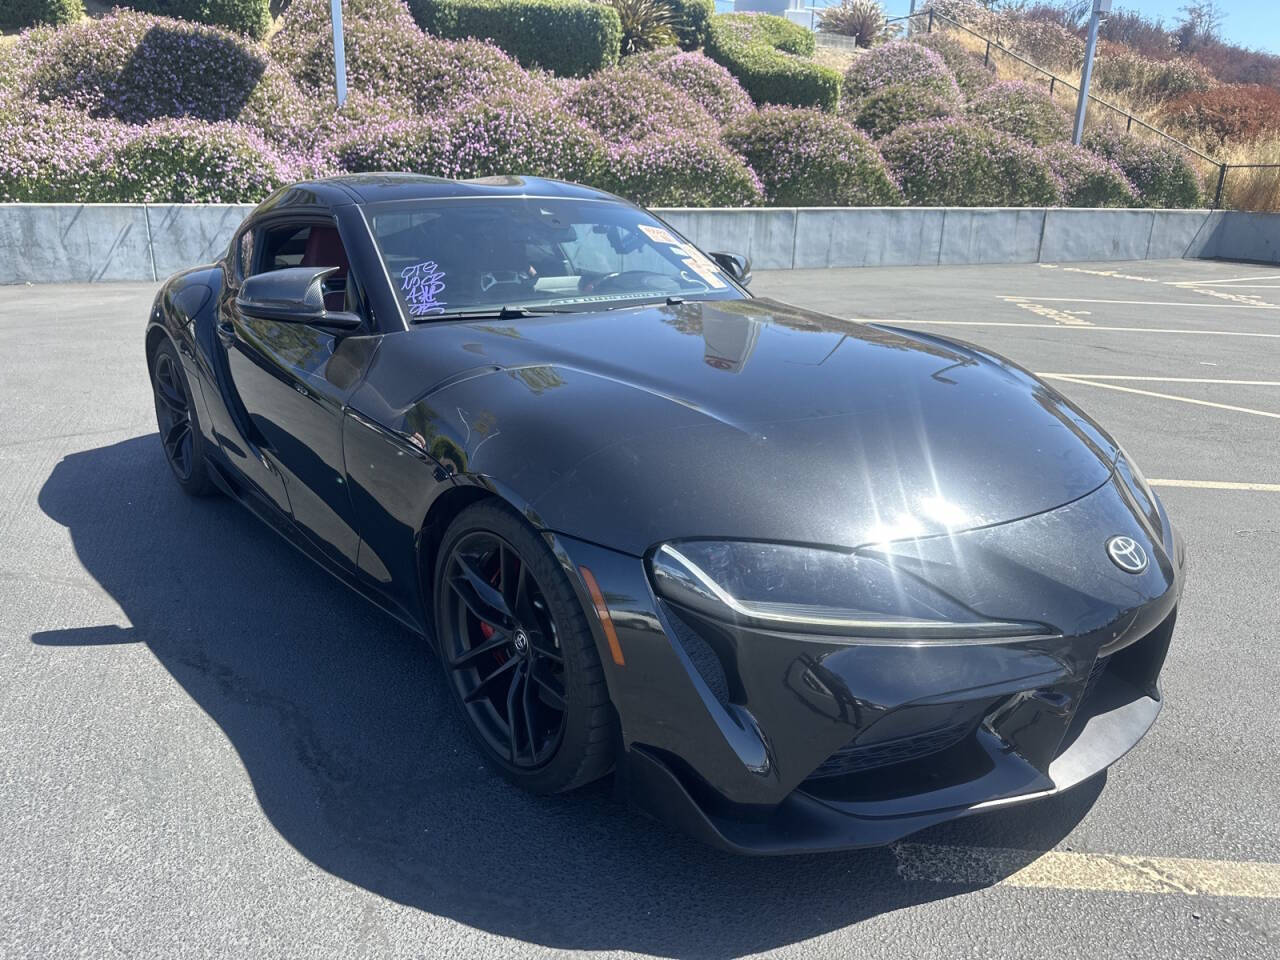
{"type": "Point", "coordinates": [801, 583]}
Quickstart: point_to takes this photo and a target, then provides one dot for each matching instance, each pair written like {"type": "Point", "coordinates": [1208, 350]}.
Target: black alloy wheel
{"type": "Point", "coordinates": [176, 418]}
{"type": "Point", "coordinates": [519, 654]}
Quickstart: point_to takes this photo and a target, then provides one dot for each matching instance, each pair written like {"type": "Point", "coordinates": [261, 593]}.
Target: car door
{"type": "Point", "coordinates": [293, 380]}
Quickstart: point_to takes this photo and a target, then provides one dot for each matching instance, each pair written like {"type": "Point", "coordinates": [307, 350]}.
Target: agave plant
{"type": "Point", "coordinates": [646, 24]}
{"type": "Point", "coordinates": [863, 20]}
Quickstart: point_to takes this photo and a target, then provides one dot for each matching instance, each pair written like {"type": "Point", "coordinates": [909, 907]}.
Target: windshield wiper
{"type": "Point", "coordinates": [507, 312]}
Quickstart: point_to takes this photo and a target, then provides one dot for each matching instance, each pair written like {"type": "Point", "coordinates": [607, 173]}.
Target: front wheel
{"type": "Point", "coordinates": [519, 653]}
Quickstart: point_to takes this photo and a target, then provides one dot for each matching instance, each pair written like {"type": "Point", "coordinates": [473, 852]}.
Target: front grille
{"type": "Point", "coordinates": [855, 758]}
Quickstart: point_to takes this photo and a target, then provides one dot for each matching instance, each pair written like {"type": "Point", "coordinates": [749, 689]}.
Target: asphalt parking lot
{"type": "Point", "coordinates": [210, 749]}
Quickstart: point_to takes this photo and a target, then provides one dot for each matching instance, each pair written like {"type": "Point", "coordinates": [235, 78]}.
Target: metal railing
{"type": "Point", "coordinates": [1221, 168]}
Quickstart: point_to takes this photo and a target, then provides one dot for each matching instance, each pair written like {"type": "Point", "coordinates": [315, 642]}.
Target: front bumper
{"type": "Point", "coordinates": [767, 742]}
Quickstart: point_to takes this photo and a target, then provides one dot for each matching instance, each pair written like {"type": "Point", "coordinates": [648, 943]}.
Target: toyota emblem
{"type": "Point", "coordinates": [1127, 554]}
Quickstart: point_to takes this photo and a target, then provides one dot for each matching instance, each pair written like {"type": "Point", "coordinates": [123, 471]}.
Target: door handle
{"type": "Point", "coordinates": [227, 334]}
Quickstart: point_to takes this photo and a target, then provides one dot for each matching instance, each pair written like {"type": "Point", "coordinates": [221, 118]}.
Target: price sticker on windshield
{"type": "Point", "coordinates": [707, 272]}
{"type": "Point", "coordinates": [658, 235]}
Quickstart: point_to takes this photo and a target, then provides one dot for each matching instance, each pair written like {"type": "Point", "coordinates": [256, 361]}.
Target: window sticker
{"type": "Point", "coordinates": [686, 250]}
{"type": "Point", "coordinates": [657, 234]}
{"type": "Point", "coordinates": [422, 284]}
{"type": "Point", "coordinates": [706, 272]}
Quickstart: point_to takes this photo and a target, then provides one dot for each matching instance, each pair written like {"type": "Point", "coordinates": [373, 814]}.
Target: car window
{"type": "Point", "coordinates": [312, 244]}
{"type": "Point", "coordinates": [455, 255]}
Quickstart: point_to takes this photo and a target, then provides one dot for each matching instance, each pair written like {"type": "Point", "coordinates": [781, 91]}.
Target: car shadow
{"type": "Point", "coordinates": [360, 761]}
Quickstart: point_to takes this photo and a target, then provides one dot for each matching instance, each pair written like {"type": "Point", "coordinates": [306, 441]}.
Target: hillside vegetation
{"type": "Point", "coordinates": [660, 101]}
{"type": "Point", "coordinates": [1218, 97]}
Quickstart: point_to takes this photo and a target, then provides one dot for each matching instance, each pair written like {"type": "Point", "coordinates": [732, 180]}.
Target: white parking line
{"type": "Point", "coordinates": [1112, 376]}
{"type": "Point", "coordinates": [1154, 303]}
{"type": "Point", "coordinates": [1226, 280]}
{"type": "Point", "coordinates": [1163, 396]}
{"type": "Point", "coordinates": [1217, 485]}
{"type": "Point", "coordinates": [1063, 326]}
{"type": "Point", "coordinates": [1100, 872]}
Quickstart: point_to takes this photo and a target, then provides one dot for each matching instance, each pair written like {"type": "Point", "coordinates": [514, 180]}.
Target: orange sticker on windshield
{"type": "Point", "coordinates": [657, 234]}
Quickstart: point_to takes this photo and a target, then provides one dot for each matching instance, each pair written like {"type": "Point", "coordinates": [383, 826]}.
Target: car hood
{"type": "Point", "coordinates": [747, 419]}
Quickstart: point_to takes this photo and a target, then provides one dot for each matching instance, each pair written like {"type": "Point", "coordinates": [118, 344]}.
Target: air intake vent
{"type": "Point", "coordinates": [856, 759]}
{"type": "Point", "coordinates": [703, 656]}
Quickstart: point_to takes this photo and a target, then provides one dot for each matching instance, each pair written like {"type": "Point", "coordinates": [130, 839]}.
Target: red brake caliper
{"type": "Point", "coordinates": [487, 631]}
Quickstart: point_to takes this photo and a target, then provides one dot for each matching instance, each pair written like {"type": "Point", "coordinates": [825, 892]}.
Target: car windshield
{"type": "Point", "coordinates": [457, 256]}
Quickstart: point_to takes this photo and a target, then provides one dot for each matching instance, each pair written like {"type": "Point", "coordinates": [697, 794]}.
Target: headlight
{"type": "Point", "coordinates": [817, 590]}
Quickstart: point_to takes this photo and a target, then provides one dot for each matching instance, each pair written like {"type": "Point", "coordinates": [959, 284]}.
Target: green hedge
{"type": "Point", "coordinates": [568, 37]}
{"type": "Point", "coordinates": [15, 14]}
{"type": "Point", "coordinates": [693, 19]}
{"type": "Point", "coordinates": [252, 17]}
{"type": "Point", "coordinates": [769, 55]}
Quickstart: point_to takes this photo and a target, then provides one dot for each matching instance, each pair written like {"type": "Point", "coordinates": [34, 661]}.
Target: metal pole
{"type": "Point", "coordinates": [1099, 7]}
{"type": "Point", "coordinates": [930, 30]}
{"type": "Point", "coordinates": [1222, 179]}
{"type": "Point", "coordinates": [339, 52]}
{"type": "Point", "coordinates": [911, 19]}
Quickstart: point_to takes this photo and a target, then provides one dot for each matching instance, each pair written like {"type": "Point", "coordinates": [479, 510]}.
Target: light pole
{"type": "Point", "coordinates": [339, 52]}
{"type": "Point", "coordinates": [1100, 8]}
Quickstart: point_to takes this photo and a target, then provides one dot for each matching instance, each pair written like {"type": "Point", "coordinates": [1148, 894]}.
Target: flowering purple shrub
{"type": "Point", "coordinates": [49, 153]}
{"type": "Point", "coordinates": [531, 135]}
{"type": "Point", "coordinates": [810, 158]}
{"type": "Point", "coordinates": [970, 72]}
{"type": "Point", "coordinates": [625, 105]}
{"type": "Point", "coordinates": [899, 64]}
{"type": "Point", "coordinates": [1089, 180]}
{"type": "Point", "coordinates": [1160, 172]}
{"type": "Point", "coordinates": [884, 111]}
{"type": "Point", "coordinates": [381, 45]}
{"type": "Point", "coordinates": [676, 170]}
{"type": "Point", "coordinates": [410, 144]}
{"type": "Point", "coordinates": [953, 162]}
{"type": "Point", "coordinates": [189, 161]}
{"type": "Point", "coordinates": [136, 68]}
{"type": "Point", "coordinates": [447, 74]}
{"type": "Point", "coordinates": [1022, 109]}
{"type": "Point", "coordinates": [710, 85]}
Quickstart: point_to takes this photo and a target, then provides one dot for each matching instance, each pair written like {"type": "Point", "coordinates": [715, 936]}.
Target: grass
{"type": "Point", "coordinates": [1253, 189]}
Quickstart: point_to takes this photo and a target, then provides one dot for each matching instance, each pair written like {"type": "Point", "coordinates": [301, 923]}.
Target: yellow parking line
{"type": "Point", "coordinates": [1111, 376]}
{"type": "Point", "coordinates": [1164, 396]}
{"type": "Point", "coordinates": [1101, 872]}
{"type": "Point", "coordinates": [1217, 485]}
{"type": "Point", "coordinates": [1063, 326]}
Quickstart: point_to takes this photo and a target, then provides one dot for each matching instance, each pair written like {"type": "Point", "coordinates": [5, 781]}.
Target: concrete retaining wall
{"type": "Point", "coordinates": [60, 243]}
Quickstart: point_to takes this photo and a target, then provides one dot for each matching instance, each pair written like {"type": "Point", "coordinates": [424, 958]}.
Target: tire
{"type": "Point", "coordinates": [497, 582]}
{"type": "Point", "coordinates": [180, 436]}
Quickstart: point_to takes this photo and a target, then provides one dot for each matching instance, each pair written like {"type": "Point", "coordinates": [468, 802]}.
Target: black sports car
{"type": "Point", "coordinates": [803, 583]}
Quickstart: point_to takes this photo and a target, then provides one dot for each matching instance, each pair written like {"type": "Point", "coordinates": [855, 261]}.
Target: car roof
{"type": "Point", "coordinates": [363, 188]}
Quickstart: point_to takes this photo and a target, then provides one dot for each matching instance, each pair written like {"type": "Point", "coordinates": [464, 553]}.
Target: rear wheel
{"type": "Point", "coordinates": [519, 654]}
{"type": "Point", "coordinates": [176, 417]}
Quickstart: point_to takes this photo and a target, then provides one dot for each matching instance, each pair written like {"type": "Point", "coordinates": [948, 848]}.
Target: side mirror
{"type": "Point", "coordinates": [735, 265]}
{"type": "Point", "coordinates": [293, 295]}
